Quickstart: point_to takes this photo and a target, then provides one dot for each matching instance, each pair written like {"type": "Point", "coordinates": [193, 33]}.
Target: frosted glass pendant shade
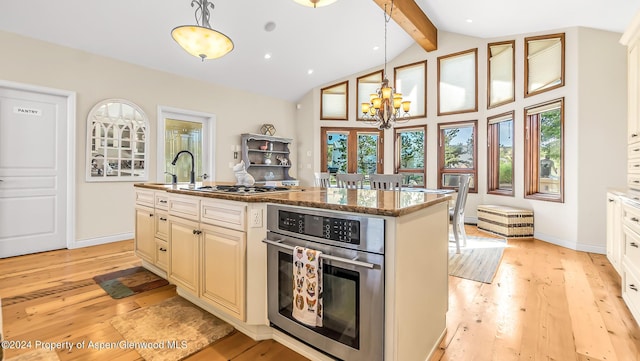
{"type": "Point", "coordinates": [202, 42]}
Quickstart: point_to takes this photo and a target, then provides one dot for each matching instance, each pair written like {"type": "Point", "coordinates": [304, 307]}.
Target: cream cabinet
{"type": "Point", "coordinates": [631, 256]}
{"type": "Point", "coordinates": [223, 268]}
{"type": "Point", "coordinates": [631, 39]}
{"type": "Point", "coordinates": [151, 227]}
{"type": "Point", "coordinates": [184, 241]}
{"type": "Point", "coordinates": [614, 230]}
{"type": "Point", "coordinates": [144, 241]}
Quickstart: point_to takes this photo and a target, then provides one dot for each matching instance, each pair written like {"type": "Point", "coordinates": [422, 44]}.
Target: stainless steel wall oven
{"type": "Point", "coordinates": [352, 259]}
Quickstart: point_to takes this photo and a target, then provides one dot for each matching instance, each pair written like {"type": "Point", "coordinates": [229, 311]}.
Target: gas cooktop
{"type": "Point", "coordinates": [243, 190]}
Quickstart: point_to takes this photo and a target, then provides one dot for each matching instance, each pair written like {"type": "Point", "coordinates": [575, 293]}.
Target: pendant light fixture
{"type": "Point", "coordinates": [315, 3]}
{"type": "Point", "coordinates": [200, 40]}
{"type": "Point", "coordinates": [383, 110]}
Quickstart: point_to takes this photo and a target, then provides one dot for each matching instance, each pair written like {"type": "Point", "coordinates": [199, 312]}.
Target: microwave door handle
{"type": "Point", "coordinates": [353, 262]}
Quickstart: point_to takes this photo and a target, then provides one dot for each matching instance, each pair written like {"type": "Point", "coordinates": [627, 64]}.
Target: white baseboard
{"type": "Point", "coordinates": [99, 240]}
{"type": "Point", "coordinates": [570, 244]}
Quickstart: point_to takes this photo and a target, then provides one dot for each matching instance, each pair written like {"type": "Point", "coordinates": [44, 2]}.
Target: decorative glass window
{"type": "Point", "coordinates": [500, 154]}
{"type": "Point", "coordinates": [117, 142]}
{"type": "Point", "coordinates": [458, 82]}
{"type": "Point", "coordinates": [544, 63]}
{"type": "Point", "coordinates": [411, 82]}
{"type": "Point", "coordinates": [544, 151]}
{"type": "Point", "coordinates": [457, 153]}
{"type": "Point", "coordinates": [410, 145]}
{"type": "Point", "coordinates": [334, 102]}
{"type": "Point", "coordinates": [500, 73]}
{"type": "Point", "coordinates": [367, 85]}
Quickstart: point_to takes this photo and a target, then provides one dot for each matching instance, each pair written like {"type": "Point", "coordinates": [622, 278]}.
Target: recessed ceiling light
{"type": "Point", "coordinates": [469, 20]}
{"type": "Point", "coordinates": [267, 56]}
{"type": "Point", "coordinates": [270, 26]}
{"type": "Point", "coordinates": [376, 47]}
{"type": "Point", "coordinates": [310, 71]}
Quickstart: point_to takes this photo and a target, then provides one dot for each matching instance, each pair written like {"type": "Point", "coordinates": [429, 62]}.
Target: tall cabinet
{"type": "Point", "coordinates": [630, 213]}
{"type": "Point", "coordinates": [267, 158]}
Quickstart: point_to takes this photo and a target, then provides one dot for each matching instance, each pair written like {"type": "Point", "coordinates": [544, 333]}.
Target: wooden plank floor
{"type": "Point", "coordinates": [545, 303]}
{"type": "Point", "coordinates": [51, 297]}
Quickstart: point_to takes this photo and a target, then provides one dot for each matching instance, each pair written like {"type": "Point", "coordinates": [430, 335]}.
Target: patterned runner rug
{"type": "Point", "coordinates": [128, 282]}
{"type": "Point", "coordinates": [170, 330]}
{"type": "Point", "coordinates": [478, 261]}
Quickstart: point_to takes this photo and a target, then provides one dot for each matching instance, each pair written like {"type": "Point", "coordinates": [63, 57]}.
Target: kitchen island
{"type": "Point", "coordinates": [216, 257]}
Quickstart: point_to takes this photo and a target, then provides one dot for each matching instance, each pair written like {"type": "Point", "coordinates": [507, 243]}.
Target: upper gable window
{"type": "Point", "coordinates": [544, 63]}
{"type": "Point", "coordinates": [458, 82]}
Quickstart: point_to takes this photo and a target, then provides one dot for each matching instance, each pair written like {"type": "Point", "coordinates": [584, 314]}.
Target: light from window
{"type": "Point", "coordinates": [410, 154]}
{"type": "Point", "coordinates": [544, 151]}
{"type": "Point", "coordinates": [500, 154]}
{"type": "Point", "coordinates": [457, 82]}
{"type": "Point", "coordinates": [457, 153]}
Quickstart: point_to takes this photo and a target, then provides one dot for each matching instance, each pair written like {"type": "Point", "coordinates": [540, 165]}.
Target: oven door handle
{"type": "Point", "coordinates": [354, 262]}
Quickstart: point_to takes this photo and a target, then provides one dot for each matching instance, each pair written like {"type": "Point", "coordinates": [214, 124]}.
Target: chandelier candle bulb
{"type": "Point", "coordinates": [365, 108]}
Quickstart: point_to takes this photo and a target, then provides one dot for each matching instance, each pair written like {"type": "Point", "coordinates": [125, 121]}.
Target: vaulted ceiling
{"type": "Point", "coordinates": [308, 47]}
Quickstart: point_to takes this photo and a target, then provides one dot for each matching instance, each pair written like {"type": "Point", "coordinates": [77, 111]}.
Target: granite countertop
{"type": "Point", "coordinates": [376, 202]}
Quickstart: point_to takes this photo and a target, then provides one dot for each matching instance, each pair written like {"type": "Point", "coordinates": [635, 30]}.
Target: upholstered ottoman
{"type": "Point", "coordinates": [506, 221]}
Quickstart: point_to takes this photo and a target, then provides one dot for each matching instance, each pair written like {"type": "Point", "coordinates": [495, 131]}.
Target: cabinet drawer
{"type": "Point", "coordinates": [145, 197]}
{"type": "Point", "coordinates": [184, 206]}
{"type": "Point", "coordinates": [224, 214]}
{"type": "Point", "coordinates": [162, 254]}
{"type": "Point", "coordinates": [631, 246]}
{"type": "Point", "coordinates": [162, 200]}
{"type": "Point", "coordinates": [631, 217]}
{"type": "Point", "coordinates": [633, 151]}
{"type": "Point", "coordinates": [631, 290]}
{"type": "Point", "coordinates": [162, 225]}
{"type": "Point", "coordinates": [633, 181]}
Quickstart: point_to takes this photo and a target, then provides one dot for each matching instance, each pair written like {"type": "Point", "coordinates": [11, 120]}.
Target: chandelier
{"type": "Point", "coordinates": [315, 3]}
{"type": "Point", "coordinates": [200, 40]}
{"type": "Point", "coordinates": [384, 106]}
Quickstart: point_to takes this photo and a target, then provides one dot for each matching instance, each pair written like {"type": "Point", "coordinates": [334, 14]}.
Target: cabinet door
{"type": "Point", "coordinates": [184, 236]}
{"type": "Point", "coordinates": [614, 231]}
{"type": "Point", "coordinates": [144, 241]}
{"type": "Point", "coordinates": [161, 224]}
{"type": "Point", "coordinates": [223, 271]}
{"type": "Point", "coordinates": [634, 90]}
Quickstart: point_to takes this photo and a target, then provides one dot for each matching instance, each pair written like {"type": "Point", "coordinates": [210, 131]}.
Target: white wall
{"type": "Point", "coordinates": [104, 211]}
{"type": "Point", "coordinates": [595, 90]}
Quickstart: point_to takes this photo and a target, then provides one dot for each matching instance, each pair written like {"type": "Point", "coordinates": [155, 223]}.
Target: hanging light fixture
{"type": "Point", "coordinates": [315, 3]}
{"type": "Point", "coordinates": [200, 40]}
{"type": "Point", "coordinates": [384, 106]}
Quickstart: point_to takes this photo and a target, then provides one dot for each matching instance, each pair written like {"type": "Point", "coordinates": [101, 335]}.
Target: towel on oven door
{"type": "Point", "coordinates": [307, 286]}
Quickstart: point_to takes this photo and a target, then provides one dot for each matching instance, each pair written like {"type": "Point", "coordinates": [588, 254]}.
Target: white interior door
{"type": "Point", "coordinates": [196, 134]}
{"type": "Point", "coordinates": [33, 171]}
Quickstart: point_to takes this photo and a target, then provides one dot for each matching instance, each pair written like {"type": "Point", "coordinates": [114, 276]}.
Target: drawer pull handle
{"type": "Point", "coordinates": [633, 287]}
{"type": "Point", "coordinates": [634, 135]}
{"type": "Point", "coordinates": [163, 219]}
{"type": "Point", "coordinates": [162, 249]}
{"type": "Point", "coordinates": [162, 201]}
{"type": "Point", "coordinates": [611, 200]}
{"type": "Point", "coordinates": [633, 244]}
{"type": "Point", "coordinates": [195, 231]}
{"type": "Point", "coordinates": [150, 214]}
{"type": "Point", "coordinates": [634, 219]}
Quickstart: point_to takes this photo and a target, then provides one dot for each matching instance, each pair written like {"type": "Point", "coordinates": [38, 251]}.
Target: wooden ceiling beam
{"type": "Point", "coordinates": [414, 21]}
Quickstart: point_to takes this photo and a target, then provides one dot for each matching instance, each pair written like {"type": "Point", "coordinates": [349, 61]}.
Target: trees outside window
{"type": "Point", "coordinates": [544, 151]}
{"type": "Point", "coordinates": [500, 154]}
{"type": "Point", "coordinates": [410, 146]}
{"type": "Point", "coordinates": [351, 150]}
{"type": "Point", "coordinates": [457, 153]}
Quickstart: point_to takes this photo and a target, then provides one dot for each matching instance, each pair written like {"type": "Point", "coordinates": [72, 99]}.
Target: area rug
{"type": "Point", "coordinates": [478, 261]}
{"type": "Point", "coordinates": [170, 330]}
{"type": "Point", "coordinates": [128, 282]}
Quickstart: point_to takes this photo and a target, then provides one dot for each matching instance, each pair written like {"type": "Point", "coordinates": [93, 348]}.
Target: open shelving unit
{"type": "Point", "coordinates": [267, 158]}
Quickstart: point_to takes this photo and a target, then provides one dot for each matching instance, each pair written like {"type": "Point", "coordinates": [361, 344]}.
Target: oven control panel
{"type": "Point", "coordinates": [335, 229]}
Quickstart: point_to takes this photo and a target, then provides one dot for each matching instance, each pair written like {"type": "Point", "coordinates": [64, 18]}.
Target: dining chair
{"type": "Point", "coordinates": [354, 180]}
{"type": "Point", "coordinates": [456, 213]}
{"type": "Point", "coordinates": [322, 180]}
{"type": "Point", "coordinates": [391, 182]}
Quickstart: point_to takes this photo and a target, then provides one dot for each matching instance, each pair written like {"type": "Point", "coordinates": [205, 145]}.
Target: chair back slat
{"type": "Point", "coordinates": [322, 180]}
{"type": "Point", "coordinates": [386, 181]}
{"type": "Point", "coordinates": [354, 180]}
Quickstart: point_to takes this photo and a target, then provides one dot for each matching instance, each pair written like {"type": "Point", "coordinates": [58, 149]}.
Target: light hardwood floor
{"type": "Point", "coordinates": [545, 303]}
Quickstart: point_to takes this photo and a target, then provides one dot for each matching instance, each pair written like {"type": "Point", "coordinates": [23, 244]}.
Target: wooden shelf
{"type": "Point", "coordinates": [254, 157]}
